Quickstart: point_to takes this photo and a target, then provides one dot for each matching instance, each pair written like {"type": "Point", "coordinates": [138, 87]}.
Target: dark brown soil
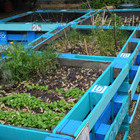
{"type": "Point", "coordinates": [64, 77]}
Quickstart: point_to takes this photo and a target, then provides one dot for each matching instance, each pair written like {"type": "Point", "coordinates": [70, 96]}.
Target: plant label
{"type": "Point", "coordinates": [84, 134]}
{"type": "Point", "coordinates": [3, 36]}
{"type": "Point", "coordinates": [99, 89]}
{"type": "Point", "coordinates": [125, 55]}
{"type": "Point", "coordinates": [36, 27]}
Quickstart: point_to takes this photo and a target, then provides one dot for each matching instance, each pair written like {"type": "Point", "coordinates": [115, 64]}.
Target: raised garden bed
{"type": "Point", "coordinates": [98, 42]}
{"type": "Point", "coordinates": [42, 102]}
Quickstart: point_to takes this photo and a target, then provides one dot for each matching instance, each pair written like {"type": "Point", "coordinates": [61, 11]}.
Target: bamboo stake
{"type": "Point", "coordinates": [133, 20]}
{"type": "Point", "coordinates": [125, 21]}
{"type": "Point", "coordinates": [106, 18]}
{"type": "Point", "coordinates": [130, 21]}
{"type": "Point", "coordinates": [93, 21]}
{"type": "Point", "coordinates": [103, 17]}
{"type": "Point", "coordinates": [86, 46]}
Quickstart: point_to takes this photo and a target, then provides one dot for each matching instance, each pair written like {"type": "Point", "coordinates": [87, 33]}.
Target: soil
{"type": "Point", "coordinates": [64, 77]}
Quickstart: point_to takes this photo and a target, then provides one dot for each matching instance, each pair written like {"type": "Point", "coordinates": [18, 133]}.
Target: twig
{"type": "Point", "coordinates": [93, 21]}
{"type": "Point", "coordinates": [103, 18]}
{"type": "Point", "coordinates": [109, 22]}
{"type": "Point", "coordinates": [86, 46]}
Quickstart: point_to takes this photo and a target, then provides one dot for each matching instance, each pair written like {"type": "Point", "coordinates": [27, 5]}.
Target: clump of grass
{"type": "Point", "coordinates": [21, 63]}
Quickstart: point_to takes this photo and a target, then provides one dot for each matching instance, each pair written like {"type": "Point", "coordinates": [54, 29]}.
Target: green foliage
{"type": "Point", "coordinates": [75, 93]}
{"type": "Point", "coordinates": [21, 64]}
{"type": "Point", "coordinates": [61, 106]}
{"type": "Point", "coordinates": [44, 88]}
{"type": "Point", "coordinates": [25, 100]}
{"type": "Point", "coordinates": [106, 43]}
{"type": "Point", "coordinates": [41, 120]}
{"type": "Point", "coordinates": [99, 42]}
{"type": "Point", "coordinates": [27, 105]}
{"type": "Point", "coordinates": [97, 4]}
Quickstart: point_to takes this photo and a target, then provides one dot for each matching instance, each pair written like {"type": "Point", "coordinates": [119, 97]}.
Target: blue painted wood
{"type": "Point", "coordinates": [115, 126]}
{"type": "Point", "coordinates": [30, 36]}
{"type": "Point", "coordinates": [125, 135]}
{"type": "Point", "coordinates": [125, 45]}
{"type": "Point", "coordinates": [17, 133]}
{"type": "Point", "coordinates": [58, 137]}
{"type": "Point", "coordinates": [3, 37]}
{"type": "Point", "coordinates": [14, 17]}
{"type": "Point", "coordinates": [134, 111]}
{"type": "Point", "coordinates": [138, 59]}
{"type": "Point", "coordinates": [99, 108]}
{"type": "Point", "coordinates": [135, 97]}
{"type": "Point", "coordinates": [104, 118]}
{"type": "Point", "coordinates": [135, 82]}
{"type": "Point", "coordinates": [134, 40]}
{"type": "Point", "coordinates": [117, 103]}
{"type": "Point", "coordinates": [27, 27]}
{"type": "Point", "coordinates": [133, 71]}
{"type": "Point", "coordinates": [90, 27]}
{"type": "Point", "coordinates": [87, 57]}
{"type": "Point", "coordinates": [101, 132]}
{"type": "Point", "coordinates": [69, 127]}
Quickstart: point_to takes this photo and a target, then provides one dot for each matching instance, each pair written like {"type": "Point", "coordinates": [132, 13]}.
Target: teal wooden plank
{"type": "Point", "coordinates": [89, 27]}
{"type": "Point", "coordinates": [124, 87]}
{"type": "Point", "coordinates": [115, 126]}
{"type": "Point", "coordinates": [14, 17]}
{"type": "Point", "coordinates": [18, 133]}
{"type": "Point", "coordinates": [134, 54]}
{"type": "Point", "coordinates": [125, 135]}
{"type": "Point", "coordinates": [105, 78]}
{"type": "Point", "coordinates": [87, 57]}
{"type": "Point", "coordinates": [99, 108]}
{"type": "Point", "coordinates": [135, 83]}
{"type": "Point", "coordinates": [64, 11]}
{"type": "Point", "coordinates": [27, 27]}
{"type": "Point", "coordinates": [134, 111]}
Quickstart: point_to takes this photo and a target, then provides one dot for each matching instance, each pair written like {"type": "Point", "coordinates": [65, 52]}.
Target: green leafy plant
{"type": "Point", "coordinates": [20, 110]}
{"type": "Point", "coordinates": [22, 63]}
{"type": "Point", "coordinates": [97, 4]}
{"type": "Point", "coordinates": [75, 93]}
{"type": "Point", "coordinates": [44, 88]}
{"type": "Point", "coordinates": [25, 100]}
{"type": "Point", "coordinates": [22, 118]}
{"type": "Point", "coordinates": [99, 42]}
